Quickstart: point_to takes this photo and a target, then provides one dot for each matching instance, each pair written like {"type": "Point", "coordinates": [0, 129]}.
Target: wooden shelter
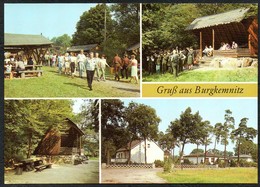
{"type": "Point", "coordinates": [134, 49]}
{"type": "Point", "coordinates": [33, 45]}
{"type": "Point", "coordinates": [85, 48]}
{"type": "Point", "coordinates": [227, 27]}
{"type": "Point", "coordinates": [63, 141]}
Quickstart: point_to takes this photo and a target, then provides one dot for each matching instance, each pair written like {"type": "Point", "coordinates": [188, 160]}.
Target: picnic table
{"type": "Point", "coordinates": [36, 67]}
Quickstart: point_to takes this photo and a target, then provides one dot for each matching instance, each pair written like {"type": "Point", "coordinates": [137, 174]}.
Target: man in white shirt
{"type": "Point", "coordinates": [98, 63]}
{"type": "Point", "coordinates": [90, 66]}
{"type": "Point", "coordinates": [81, 58]}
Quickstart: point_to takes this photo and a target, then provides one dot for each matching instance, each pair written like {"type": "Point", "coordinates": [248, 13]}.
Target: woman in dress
{"type": "Point", "coordinates": [133, 64]}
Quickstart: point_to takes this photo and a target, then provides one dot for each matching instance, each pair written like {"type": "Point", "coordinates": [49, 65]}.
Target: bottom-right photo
{"type": "Point", "coordinates": [179, 140]}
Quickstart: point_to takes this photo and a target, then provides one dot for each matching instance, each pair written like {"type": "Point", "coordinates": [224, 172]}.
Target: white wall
{"type": "Point", "coordinates": [153, 152]}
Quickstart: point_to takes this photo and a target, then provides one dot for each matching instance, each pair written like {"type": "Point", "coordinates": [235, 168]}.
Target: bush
{"type": "Point", "coordinates": [167, 167]}
{"type": "Point", "coordinates": [187, 161]}
{"type": "Point", "coordinates": [159, 163]}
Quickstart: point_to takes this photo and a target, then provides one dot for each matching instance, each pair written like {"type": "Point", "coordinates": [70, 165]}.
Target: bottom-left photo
{"type": "Point", "coordinates": [51, 141]}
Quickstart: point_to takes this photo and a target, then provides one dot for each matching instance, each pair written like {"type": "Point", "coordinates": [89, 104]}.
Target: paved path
{"type": "Point", "coordinates": [131, 176]}
{"type": "Point", "coordinates": [58, 174]}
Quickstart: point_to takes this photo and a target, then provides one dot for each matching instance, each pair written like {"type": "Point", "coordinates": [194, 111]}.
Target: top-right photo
{"type": "Point", "coordinates": [200, 42]}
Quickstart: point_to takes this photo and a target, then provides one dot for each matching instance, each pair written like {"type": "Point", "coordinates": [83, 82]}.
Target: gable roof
{"type": "Point", "coordinates": [134, 47]}
{"type": "Point", "coordinates": [202, 155]}
{"type": "Point", "coordinates": [134, 144]}
{"type": "Point", "coordinates": [25, 40]}
{"type": "Point", "coordinates": [236, 15]}
{"type": "Point", "coordinates": [80, 47]}
{"type": "Point", "coordinates": [72, 124]}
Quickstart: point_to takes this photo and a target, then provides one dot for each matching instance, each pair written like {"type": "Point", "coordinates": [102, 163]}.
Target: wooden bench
{"type": "Point", "coordinates": [42, 167]}
{"type": "Point", "coordinates": [8, 74]}
{"type": "Point", "coordinates": [30, 72]}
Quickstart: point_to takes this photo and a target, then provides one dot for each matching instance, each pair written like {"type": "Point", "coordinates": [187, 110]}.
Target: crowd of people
{"type": "Point", "coordinates": [174, 61]}
{"type": "Point", "coordinates": [93, 64]}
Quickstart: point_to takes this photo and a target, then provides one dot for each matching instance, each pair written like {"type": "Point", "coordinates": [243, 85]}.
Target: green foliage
{"type": "Point", "coordinates": [63, 41]}
{"type": "Point", "coordinates": [195, 151]}
{"type": "Point", "coordinates": [90, 27]}
{"type": "Point", "coordinates": [187, 161]}
{"type": "Point", "coordinates": [26, 121]}
{"type": "Point", "coordinates": [122, 28]}
{"type": "Point", "coordinates": [159, 163]}
{"type": "Point", "coordinates": [167, 167]}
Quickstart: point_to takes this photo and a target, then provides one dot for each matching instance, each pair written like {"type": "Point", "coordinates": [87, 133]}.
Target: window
{"type": "Point", "coordinates": [148, 145]}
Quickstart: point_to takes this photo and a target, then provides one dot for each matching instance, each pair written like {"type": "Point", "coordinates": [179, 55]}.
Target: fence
{"type": "Point", "coordinates": [119, 166]}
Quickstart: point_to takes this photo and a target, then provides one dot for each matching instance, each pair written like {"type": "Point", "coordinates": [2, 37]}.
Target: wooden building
{"type": "Point", "coordinates": [32, 45]}
{"type": "Point", "coordinates": [85, 48]}
{"type": "Point", "coordinates": [63, 141]}
{"type": "Point", "coordinates": [134, 49]}
{"type": "Point", "coordinates": [227, 27]}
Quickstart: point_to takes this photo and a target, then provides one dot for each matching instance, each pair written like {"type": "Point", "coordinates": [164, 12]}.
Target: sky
{"type": "Point", "coordinates": [52, 20]}
{"type": "Point", "coordinates": [209, 109]}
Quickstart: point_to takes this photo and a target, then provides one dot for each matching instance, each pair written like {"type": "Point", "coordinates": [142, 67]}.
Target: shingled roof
{"type": "Point", "coordinates": [218, 19]}
{"type": "Point", "coordinates": [134, 47]}
{"type": "Point", "coordinates": [11, 40]}
{"type": "Point", "coordinates": [82, 47]}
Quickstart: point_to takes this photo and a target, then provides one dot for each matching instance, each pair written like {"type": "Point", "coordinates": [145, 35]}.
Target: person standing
{"type": "Point", "coordinates": [60, 63]}
{"type": "Point", "coordinates": [124, 69]}
{"type": "Point", "coordinates": [190, 57]}
{"type": "Point", "coordinates": [133, 64]}
{"type": "Point", "coordinates": [97, 67]}
{"type": "Point", "coordinates": [72, 64]}
{"type": "Point", "coordinates": [117, 61]}
{"type": "Point", "coordinates": [67, 63]}
{"type": "Point", "coordinates": [90, 66]}
{"type": "Point", "coordinates": [103, 64]}
{"type": "Point", "coordinates": [175, 63]}
{"type": "Point", "coordinates": [81, 59]}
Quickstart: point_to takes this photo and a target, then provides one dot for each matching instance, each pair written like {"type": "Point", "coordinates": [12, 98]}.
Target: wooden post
{"type": "Point", "coordinates": [200, 44]}
{"type": "Point", "coordinates": [213, 41]}
{"type": "Point", "coordinates": [80, 145]}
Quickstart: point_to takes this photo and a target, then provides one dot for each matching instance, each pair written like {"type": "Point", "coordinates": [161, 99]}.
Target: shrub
{"type": "Point", "coordinates": [159, 163]}
{"type": "Point", "coordinates": [187, 161]}
{"type": "Point", "coordinates": [167, 167]}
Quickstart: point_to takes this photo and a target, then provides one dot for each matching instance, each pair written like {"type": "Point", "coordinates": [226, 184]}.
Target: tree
{"type": "Point", "coordinates": [185, 128]}
{"type": "Point", "coordinates": [63, 41]}
{"type": "Point", "coordinates": [243, 133]}
{"type": "Point", "coordinates": [90, 27]}
{"type": "Point", "coordinates": [143, 122]}
{"type": "Point", "coordinates": [197, 151]}
{"type": "Point", "coordinates": [207, 129]}
{"type": "Point", "coordinates": [26, 121]}
{"type": "Point", "coordinates": [223, 130]}
{"type": "Point", "coordinates": [167, 141]}
{"type": "Point", "coordinates": [113, 128]}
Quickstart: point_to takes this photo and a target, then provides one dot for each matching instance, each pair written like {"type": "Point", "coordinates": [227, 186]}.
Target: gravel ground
{"type": "Point", "coordinates": [58, 174]}
{"type": "Point", "coordinates": [131, 176]}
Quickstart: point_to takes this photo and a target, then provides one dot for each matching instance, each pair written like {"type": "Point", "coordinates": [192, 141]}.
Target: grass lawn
{"type": "Point", "coordinates": [228, 175]}
{"type": "Point", "coordinates": [51, 84]}
{"type": "Point", "coordinates": [209, 75]}
{"type": "Point", "coordinates": [93, 158]}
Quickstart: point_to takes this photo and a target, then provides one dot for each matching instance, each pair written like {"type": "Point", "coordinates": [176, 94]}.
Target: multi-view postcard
{"type": "Point", "coordinates": [83, 88]}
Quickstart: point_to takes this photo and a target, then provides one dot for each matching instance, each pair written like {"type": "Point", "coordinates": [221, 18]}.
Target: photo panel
{"type": "Point", "coordinates": [200, 42]}
{"type": "Point", "coordinates": [179, 141]}
{"type": "Point", "coordinates": [51, 141]}
{"type": "Point", "coordinates": [57, 50]}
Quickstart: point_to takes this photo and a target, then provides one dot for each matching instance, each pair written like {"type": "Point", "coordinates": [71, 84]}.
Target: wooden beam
{"type": "Point", "coordinates": [213, 40]}
{"type": "Point", "coordinates": [200, 43]}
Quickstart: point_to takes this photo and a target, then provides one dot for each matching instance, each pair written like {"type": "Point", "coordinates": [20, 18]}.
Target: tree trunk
{"type": "Point", "coordinates": [205, 152]}
{"type": "Point", "coordinates": [29, 145]}
{"type": "Point", "coordinates": [129, 157]}
{"type": "Point", "coordinates": [238, 153]}
{"type": "Point", "coordinates": [225, 155]}
{"type": "Point", "coordinates": [181, 155]}
{"type": "Point", "coordinates": [108, 157]}
{"type": "Point", "coordinates": [197, 154]}
{"type": "Point", "coordinates": [145, 151]}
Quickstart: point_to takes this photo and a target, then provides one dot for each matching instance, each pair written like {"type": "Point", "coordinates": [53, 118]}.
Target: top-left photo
{"type": "Point", "coordinates": [71, 50]}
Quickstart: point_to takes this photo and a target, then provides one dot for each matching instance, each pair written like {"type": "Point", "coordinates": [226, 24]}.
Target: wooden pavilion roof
{"type": "Point", "coordinates": [134, 47]}
{"type": "Point", "coordinates": [82, 47]}
{"type": "Point", "coordinates": [21, 40]}
{"type": "Point", "coordinates": [233, 16]}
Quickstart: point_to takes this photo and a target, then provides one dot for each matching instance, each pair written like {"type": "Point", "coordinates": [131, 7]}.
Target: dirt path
{"type": "Point", "coordinates": [131, 176]}
{"type": "Point", "coordinates": [82, 173]}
